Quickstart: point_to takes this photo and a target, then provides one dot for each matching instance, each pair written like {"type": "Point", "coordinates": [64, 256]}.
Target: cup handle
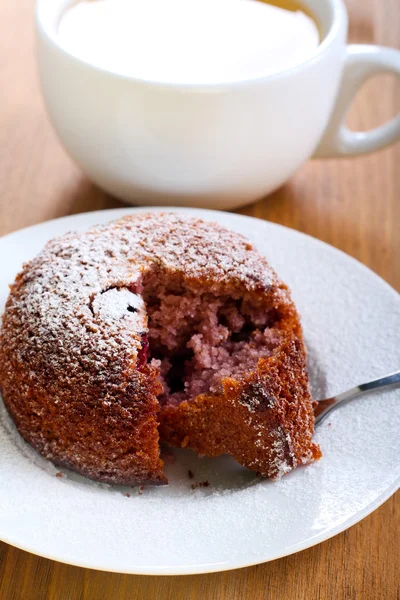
{"type": "Point", "coordinates": [362, 62]}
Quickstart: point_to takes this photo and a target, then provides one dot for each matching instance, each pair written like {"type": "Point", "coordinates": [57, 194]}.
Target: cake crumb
{"type": "Point", "coordinates": [59, 474]}
{"type": "Point", "coordinates": [141, 490]}
{"type": "Point", "coordinates": [127, 494]}
{"type": "Point", "coordinates": [200, 484]}
{"type": "Point", "coordinates": [190, 474]}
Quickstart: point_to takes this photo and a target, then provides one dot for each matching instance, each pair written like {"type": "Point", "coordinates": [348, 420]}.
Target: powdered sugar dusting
{"type": "Point", "coordinates": [119, 303]}
{"type": "Point", "coordinates": [283, 453]}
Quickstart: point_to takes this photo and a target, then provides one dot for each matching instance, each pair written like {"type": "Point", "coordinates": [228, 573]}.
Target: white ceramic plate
{"type": "Point", "coordinates": [351, 320]}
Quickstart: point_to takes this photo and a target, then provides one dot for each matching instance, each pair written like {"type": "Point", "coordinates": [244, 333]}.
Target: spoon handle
{"type": "Point", "coordinates": [326, 406]}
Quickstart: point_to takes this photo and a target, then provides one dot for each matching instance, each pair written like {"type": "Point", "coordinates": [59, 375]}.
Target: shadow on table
{"type": "Point", "coordinates": [86, 197]}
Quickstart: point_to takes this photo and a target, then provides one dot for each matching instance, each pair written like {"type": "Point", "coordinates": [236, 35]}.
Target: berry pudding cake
{"type": "Point", "coordinates": [156, 327]}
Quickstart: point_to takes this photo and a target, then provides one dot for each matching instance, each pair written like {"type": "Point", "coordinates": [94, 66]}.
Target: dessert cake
{"type": "Point", "coordinates": [155, 327]}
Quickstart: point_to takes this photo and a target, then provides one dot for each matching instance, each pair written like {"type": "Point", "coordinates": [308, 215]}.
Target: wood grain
{"type": "Point", "coordinates": [352, 204]}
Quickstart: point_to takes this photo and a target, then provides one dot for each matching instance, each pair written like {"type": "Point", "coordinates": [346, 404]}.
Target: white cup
{"type": "Point", "coordinates": [214, 145]}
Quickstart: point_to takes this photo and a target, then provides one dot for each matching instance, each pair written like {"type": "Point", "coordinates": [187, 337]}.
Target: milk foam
{"type": "Point", "coordinates": [188, 41]}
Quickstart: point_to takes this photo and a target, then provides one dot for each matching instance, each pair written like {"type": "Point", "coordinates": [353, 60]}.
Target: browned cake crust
{"type": "Point", "coordinates": [82, 386]}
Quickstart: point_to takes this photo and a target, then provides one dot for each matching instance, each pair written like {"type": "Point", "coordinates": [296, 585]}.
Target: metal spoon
{"type": "Point", "coordinates": [326, 406]}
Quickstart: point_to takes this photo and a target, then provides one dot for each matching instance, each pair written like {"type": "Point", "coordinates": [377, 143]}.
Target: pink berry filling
{"type": "Point", "coordinates": [198, 337]}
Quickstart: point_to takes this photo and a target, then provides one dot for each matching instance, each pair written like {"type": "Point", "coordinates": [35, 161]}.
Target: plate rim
{"type": "Point", "coordinates": [219, 567]}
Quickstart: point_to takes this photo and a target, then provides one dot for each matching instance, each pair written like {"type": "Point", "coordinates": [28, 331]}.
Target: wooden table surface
{"type": "Point", "coordinates": [352, 204]}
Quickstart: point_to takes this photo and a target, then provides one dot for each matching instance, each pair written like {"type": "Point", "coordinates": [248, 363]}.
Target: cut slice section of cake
{"type": "Point", "coordinates": [233, 370]}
